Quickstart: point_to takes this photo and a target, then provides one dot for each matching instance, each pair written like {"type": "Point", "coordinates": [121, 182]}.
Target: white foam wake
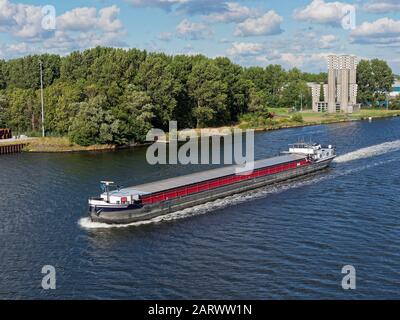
{"type": "Point", "coordinates": [369, 151]}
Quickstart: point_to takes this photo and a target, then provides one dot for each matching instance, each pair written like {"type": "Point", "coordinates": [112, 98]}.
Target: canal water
{"type": "Point", "coordinates": [286, 241]}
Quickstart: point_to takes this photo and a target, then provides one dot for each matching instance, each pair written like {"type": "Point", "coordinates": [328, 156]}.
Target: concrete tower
{"type": "Point", "coordinates": [341, 90]}
{"type": "Point", "coordinates": [316, 93]}
{"type": "Point", "coordinates": [353, 81]}
{"type": "Point", "coordinates": [344, 74]}
{"type": "Point", "coordinates": [332, 69]}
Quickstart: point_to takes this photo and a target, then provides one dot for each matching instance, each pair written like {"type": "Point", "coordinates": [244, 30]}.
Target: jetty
{"type": "Point", "coordinates": [9, 145]}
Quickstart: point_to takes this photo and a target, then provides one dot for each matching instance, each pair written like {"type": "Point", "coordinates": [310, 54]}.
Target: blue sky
{"type": "Point", "coordinates": [294, 33]}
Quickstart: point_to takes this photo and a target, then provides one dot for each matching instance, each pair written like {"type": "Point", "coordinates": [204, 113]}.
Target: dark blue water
{"type": "Point", "coordinates": [286, 241]}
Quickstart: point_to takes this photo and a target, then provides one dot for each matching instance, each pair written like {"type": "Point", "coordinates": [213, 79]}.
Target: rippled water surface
{"type": "Point", "coordinates": [285, 241]}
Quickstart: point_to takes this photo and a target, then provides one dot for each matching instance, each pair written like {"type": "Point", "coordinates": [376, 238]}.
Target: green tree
{"type": "Point", "coordinates": [24, 110]}
{"type": "Point", "coordinates": [395, 103]}
{"type": "Point", "coordinates": [366, 82]}
{"type": "Point", "coordinates": [155, 77]}
{"type": "Point", "coordinates": [374, 79]}
{"type": "Point", "coordinates": [383, 77]}
{"type": "Point", "coordinates": [209, 93]}
{"type": "Point", "coordinates": [93, 124]}
{"type": "Point", "coordinates": [62, 101]}
{"type": "Point", "coordinates": [3, 110]}
{"type": "Point", "coordinates": [237, 88]}
{"type": "Point", "coordinates": [180, 69]}
{"type": "Point", "coordinates": [294, 92]}
{"type": "Point", "coordinates": [24, 73]}
{"type": "Point", "coordinates": [3, 80]}
{"type": "Point", "coordinates": [276, 78]}
{"type": "Point", "coordinates": [258, 102]}
{"type": "Point", "coordinates": [135, 115]}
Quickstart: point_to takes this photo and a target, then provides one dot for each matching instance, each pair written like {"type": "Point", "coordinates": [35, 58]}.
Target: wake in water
{"type": "Point", "coordinates": [263, 192]}
{"type": "Point", "coordinates": [369, 152]}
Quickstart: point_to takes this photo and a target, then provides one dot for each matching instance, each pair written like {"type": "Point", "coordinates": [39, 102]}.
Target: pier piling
{"type": "Point", "coordinates": [12, 148]}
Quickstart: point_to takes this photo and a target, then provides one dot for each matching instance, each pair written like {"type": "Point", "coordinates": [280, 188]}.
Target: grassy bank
{"type": "Point", "coordinates": [283, 119]}
{"type": "Point", "coordinates": [62, 144]}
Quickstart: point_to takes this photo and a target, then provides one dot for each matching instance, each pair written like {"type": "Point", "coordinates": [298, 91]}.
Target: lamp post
{"type": "Point", "coordinates": [41, 94]}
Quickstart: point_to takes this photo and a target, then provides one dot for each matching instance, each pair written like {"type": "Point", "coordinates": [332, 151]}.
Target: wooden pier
{"type": "Point", "coordinates": [11, 148]}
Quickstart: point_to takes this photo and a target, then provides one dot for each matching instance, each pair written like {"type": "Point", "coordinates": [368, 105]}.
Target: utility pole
{"type": "Point", "coordinates": [41, 94]}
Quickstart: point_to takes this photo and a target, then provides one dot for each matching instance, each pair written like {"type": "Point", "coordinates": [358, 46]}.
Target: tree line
{"type": "Point", "coordinates": [107, 95]}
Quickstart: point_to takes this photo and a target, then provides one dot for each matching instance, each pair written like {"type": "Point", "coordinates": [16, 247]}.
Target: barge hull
{"type": "Point", "coordinates": [151, 211]}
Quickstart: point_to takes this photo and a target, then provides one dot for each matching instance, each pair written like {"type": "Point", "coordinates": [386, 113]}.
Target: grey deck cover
{"type": "Point", "coordinates": [172, 183]}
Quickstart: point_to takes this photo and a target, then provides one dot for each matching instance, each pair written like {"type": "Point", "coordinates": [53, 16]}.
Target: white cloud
{"type": "Point", "coordinates": [234, 13]}
{"type": "Point", "coordinates": [310, 61]}
{"type": "Point", "coordinates": [84, 19]}
{"type": "Point", "coordinates": [381, 31]}
{"type": "Point", "coordinates": [20, 20]}
{"type": "Point", "coordinates": [79, 28]}
{"type": "Point", "coordinates": [327, 41]}
{"type": "Point", "coordinates": [193, 31]}
{"type": "Point", "coordinates": [382, 6]}
{"type": "Point", "coordinates": [7, 50]}
{"type": "Point", "coordinates": [319, 11]}
{"type": "Point", "coordinates": [165, 36]}
{"type": "Point", "coordinates": [268, 24]}
{"type": "Point", "coordinates": [245, 49]}
{"type": "Point", "coordinates": [108, 19]}
{"type": "Point", "coordinates": [164, 4]}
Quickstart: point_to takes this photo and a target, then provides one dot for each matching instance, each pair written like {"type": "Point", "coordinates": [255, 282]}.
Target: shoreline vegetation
{"type": "Point", "coordinates": [283, 120]}
{"type": "Point", "coordinates": [107, 98]}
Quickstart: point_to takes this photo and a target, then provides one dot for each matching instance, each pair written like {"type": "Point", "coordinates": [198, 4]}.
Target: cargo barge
{"type": "Point", "coordinates": [150, 200]}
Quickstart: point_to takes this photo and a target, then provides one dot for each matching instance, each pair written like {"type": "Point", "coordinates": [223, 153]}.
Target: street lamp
{"type": "Point", "coordinates": [41, 94]}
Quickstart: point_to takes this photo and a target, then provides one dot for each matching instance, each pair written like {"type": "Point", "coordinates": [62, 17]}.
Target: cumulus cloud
{"type": "Point", "coordinates": [319, 11]}
{"type": "Point", "coordinates": [381, 31]}
{"type": "Point", "coordinates": [163, 4]}
{"type": "Point", "coordinates": [233, 12]}
{"type": "Point", "coordinates": [21, 20]}
{"type": "Point", "coordinates": [245, 49]}
{"type": "Point", "coordinates": [268, 24]}
{"type": "Point", "coordinates": [190, 7]}
{"type": "Point", "coordinates": [7, 50]}
{"type": "Point", "coordinates": [204, 7]}
{"type": "Point", "coordinates": [165, 36]}
{"type": "Point", "coordinates": [309, 61]}
{"type": "Point", "coordinates": [327, 41]}
{"type": "Point", "coordinates": [84, 19]}
{"type": "Point", "coordinates": [75, 29]}
{"type": "Point", "coordinates": [193, 31]}
{"type": "Point", "coordinates": [382, 6]}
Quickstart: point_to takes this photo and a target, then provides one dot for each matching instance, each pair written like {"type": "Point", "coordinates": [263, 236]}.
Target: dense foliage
{"type": "Point", "coordinates": [107, 95]}
{"type": "Point", "coordinates": [375, 79]}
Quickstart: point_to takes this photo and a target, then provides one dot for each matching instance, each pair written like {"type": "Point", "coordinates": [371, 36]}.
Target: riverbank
{"type": "Point", "coordinates": [283, 119]}
{"type": "Point", "coordinates": [62, 144]}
